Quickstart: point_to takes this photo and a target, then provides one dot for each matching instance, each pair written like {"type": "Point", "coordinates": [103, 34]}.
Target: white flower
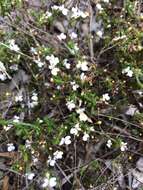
{"type": "Point", "coordinates": [76, 13]}
{"type": "Point", "coordinates": [77, 126]}
{"type": "Point", "coordinates": [106, 1]}
{"type": "Point", "coordinates": [74, 86]}
{"type": "Point", "coordinates": [84, 14]}
{"type": "Point", "coordinates": [119, 38]}
{"type": "Point", "coordinates": [16, 119]}
{"type": "Point", "coordinates": [53, 62]}
{"type": "Point", "coordinates": [82, 115]}
{"type": "Point", "coordinates": [19, 98]}
{"type": "Point", "coordinates": [66, 64]}
{"type": "Point", "coordinates": [105, 97]}
{"type": "Point", "coordinates": [91, 129]}
{"type": "Point", "coordinates": [55, 7]}
{"type": "Point", "coordinates": [52, 162]}
{"type": "Point", "coordinates": [34, 100]}
{"type": "Point", "coordinates": [10, 147]}
{"type": "Point", "coordinates": [39, 63]}
{"type": "Point", "coordinates": [48, 14]}
{"type": "Point", "coordinates": [28, 144]}
{"type": "Point", "coordinates": [2, 67]}
{"type": "Point", "coordinates": [61, 37]}
{"type": "Point", "coordinates": [99, 33]}
{"type": "Point", "coordinates": [85, 137]}
{"type": "Point", "coordinates": [6, 128]}
{"type": "Point", "coordinates": [123, 146]}
{"type": "Point", "coordinates": [66, 140]}
{"type": "Point", "coordinates": [14, 67]}
{"type": "Point", "coordinates": [75, 49]}
{"type": "Point", "coordinates": [55, 71]}
{"type": "Point", "coordinates": [109, 143]}
{"type": "Point", "coordinates": [73, 35]}
{"type": "Point", "coordinates": [52, 59]}
{"type": "Point", "coordinates": [3, 76]}
{"type": "Point", "coordinates": [63, 10]}
{"type": "Point", "coordinates": [128, 72]}
{"type": "Point", "coordinates": [73, 131]}
{"type": "Point", "coordinates": [34, 97]}
{"type": "Point", "coordinates": [13, 46]}
{"type": "Point", "coordinates": [99, 7]}
{"type": "Point", "coordinates": [58, 155]}
{"type": "Point", "coordinates": [82, 76]}
{"type": "Point", "coordinates": [30, 176]}
{"type": "Point", "coordinates": [33, 104]}
{"type": "Point", "coordinates": [45, 183]}
{"type": "Point", "coordinates": [70, 105]}
{"type": "Point", "coordinates": [51, 182]}
{"type": "Point", "coordinates": [83, 65]}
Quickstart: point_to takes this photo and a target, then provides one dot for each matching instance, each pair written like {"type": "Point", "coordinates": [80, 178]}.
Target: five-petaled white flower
{"type": "Point", "coordinates": [16, 119]}
{"type": "Point", "coordinates": [99, 33]}
{"type": "Point", "coordinates": [66, 64]}
{"type": "Point", "coordinates": [73, 35]}
{"type": "Point", "coordinates": [61, 36]}
{"type": "Point", "coordinates": [82, 115]}
{"type": "Point", "coordinates": [83, 65]}
{"type": "Point", "coordinates": [70, 105]}
{"type": "Point", "coordinates": [73, 131]}
{"type": "Point", "coordinates": [19, 97]}
{"type": "Point", "coordinates": [99, 7]}
{"type": "Point", "coordinates": [85, 137]}
{"type": "Point", "coordinates": [49, 182]}
{"type": "Point", "coordinates": [61, 8]}
{"type": "Point", "coordinates": [58, 155]}
{"type": "Point", "coordinates": [109, 143]}
{"type": "Point", "coordinates": [66, 140]}
{"type": "Point", "coordinates": [10, 147]}
{"type": "Point", "coordinates": [128, 72]}
{"type": "Point", "coordinates": [123, 146]}
{"type": "Point", "coordinates": [74, 86]}
{"type": "Point", "coordinates": [30, 176]}
{"type": "Point", "coordinates": [105, 97]}
{"type": "Point", "coordinates": [48, 14]}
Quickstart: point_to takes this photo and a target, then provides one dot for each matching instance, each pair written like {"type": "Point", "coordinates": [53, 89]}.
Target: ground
{"type": "Point", "coordinates": [71, 94]}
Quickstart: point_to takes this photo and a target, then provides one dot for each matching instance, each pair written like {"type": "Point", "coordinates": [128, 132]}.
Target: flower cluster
{"type": "Point", "coordinates": [56, 156]}
{"type": "Point", "coordinates": [49, 182]}
{"type": "Point", "coordinates": [61, 8]}
{"type": "Point", "coordinates": [10, 147]}
{"type": "Point", "coordinates": [34, 100]}
{"type": "Point", "coordinates": [76, 13]}
{"type": "Point", "coordinates": [53, 64]}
